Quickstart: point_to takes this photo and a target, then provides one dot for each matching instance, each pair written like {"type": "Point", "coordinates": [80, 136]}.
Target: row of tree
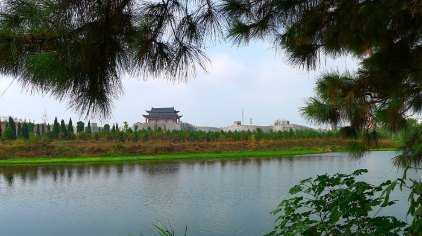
{"type": "Point", "coordinates": [62, 131]}
{"type": "Point", "coordinates": [24, 130]}
{"type": "Point", "coordinates": [13, 130]}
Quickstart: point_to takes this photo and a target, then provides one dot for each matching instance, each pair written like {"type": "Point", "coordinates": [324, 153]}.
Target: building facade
{"type": "Point", "coordinates": [162, 115]}
{"type": "Point", "coordinates": [165, 118]}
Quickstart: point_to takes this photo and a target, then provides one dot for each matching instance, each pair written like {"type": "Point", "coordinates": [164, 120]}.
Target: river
{"type": "Point", "coordinates": [210, 197]}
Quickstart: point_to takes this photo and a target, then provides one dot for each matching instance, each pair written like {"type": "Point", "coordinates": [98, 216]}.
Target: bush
{"type": "Point", "coordinates": [336, 205]}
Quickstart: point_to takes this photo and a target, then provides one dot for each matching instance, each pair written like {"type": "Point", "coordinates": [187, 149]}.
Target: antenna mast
{"type": "Point", "coordinates": [44, 116]}
{"type": "Point", "coordinates": [242, 116]}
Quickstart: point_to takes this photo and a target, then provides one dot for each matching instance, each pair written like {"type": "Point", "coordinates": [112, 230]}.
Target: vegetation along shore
{"type": "Point", "coordinates": [172, 145]}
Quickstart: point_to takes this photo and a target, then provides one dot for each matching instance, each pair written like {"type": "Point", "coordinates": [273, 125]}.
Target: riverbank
{"type": "Point", "coordinates": [15, 153]}
{"type": "Point", "coordinates": [194, 156]}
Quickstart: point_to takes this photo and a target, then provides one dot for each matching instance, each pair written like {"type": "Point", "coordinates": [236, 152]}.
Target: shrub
{"type": "Point", "coordinates": [336, 205]}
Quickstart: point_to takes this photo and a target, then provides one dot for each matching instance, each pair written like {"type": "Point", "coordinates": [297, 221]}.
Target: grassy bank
{"type": "Point", "coordinates": [19, 152]}
{"type": "Point", "coordinates": [193, 156]}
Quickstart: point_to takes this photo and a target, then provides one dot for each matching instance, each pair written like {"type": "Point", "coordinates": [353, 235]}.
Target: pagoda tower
{"type": "Point", "coordinates": [162, 115]}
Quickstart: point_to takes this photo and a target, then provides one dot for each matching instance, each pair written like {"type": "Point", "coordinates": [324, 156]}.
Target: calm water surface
{"type": "Point", "coordinates": [214, 197]}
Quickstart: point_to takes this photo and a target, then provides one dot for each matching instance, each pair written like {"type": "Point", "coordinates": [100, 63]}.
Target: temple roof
{"type": "Point", "coordinates": [162, 116]}
{"type": "Point", "coordinates": [162, 110]}
{"type": "Point", "coordinates": [162, 113]}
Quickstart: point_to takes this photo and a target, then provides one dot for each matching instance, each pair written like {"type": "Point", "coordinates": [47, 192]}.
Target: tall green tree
{"type": "Point", "coordinates": [19, 130]}
{"type": "Point", "coordinates": [106, 128]}
{"type": "Point", "coordinates": [56, 128]}
{"type": "Point", "coordinates": [12, 125]}
{"type": "Point", "coordinates": [80, 127]}
{"type": "Point", "coordinates": [31, 127]}
{"type": "Point", "coordinates": [38, 131]}
{"type": "Point", "coordinates": [25, 131]}
{"type": "Point", "coordinates": [88, 128]}
{"type": "Point", "coordinates": [63, 130]}
{"type": "Point", "coordinates": [70, 130]}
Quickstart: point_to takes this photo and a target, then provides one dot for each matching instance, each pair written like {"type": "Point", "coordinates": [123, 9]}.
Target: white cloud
{"type": "Point", "coordinates": [224, 65]}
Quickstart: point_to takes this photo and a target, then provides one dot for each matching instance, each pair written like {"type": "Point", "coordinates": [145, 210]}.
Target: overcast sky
{"type": "Point", "coordinates": [254, 78]}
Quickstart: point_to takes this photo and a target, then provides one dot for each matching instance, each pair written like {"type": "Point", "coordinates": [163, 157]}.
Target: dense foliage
{"type": "Point", "coordinates": [77, 49]}
{"type": "Point", "coordinates": [334, 205]}
{"type": "Point", "coordinates": [340, 204]}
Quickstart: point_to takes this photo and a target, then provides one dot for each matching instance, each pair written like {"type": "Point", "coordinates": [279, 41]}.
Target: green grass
{"type": "Point", "coordinates": [194, 156]}
{"type": "Point", "coordinates": [169, 156]}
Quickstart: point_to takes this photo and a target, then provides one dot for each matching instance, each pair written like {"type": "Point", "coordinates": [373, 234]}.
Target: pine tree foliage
{"type": "Point", "coordinates": [385, 36]}
{"type": "Point", "coordinates": [412, 148]}
{"type": "Point", "coordinates": [78, 49]}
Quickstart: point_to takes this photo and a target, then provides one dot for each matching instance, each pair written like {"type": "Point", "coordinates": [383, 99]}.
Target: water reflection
{"type": "Point", "coordinates": [157, 168]}
{"type": "Point", "coordinates": [61, 173]}
{"type": "Point", "coordinates": [212, 197]}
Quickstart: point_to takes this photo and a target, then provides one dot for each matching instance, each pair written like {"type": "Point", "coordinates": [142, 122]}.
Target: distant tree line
{"type": "Point", "coordinates": [67, 131]}
{"type": "Point", "coordinates": [11, 130]}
